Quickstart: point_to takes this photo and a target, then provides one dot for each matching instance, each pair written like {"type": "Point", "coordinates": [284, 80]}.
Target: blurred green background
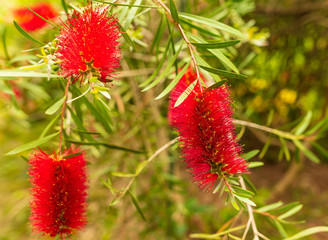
{"type": "Point", "coordinates": [286, 61]}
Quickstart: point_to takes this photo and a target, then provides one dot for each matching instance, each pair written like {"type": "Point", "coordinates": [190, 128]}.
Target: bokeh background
{"type": "Point", "coordinates": [286, 60]}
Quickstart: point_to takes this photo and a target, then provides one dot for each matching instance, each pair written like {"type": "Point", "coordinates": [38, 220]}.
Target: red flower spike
{"type": "Point", "coordinates": [88, 44]}
{"type": "Point", "coordinates": [31, 22]}
{"type": "Point", "coordinates": [207, 132]}
{"type": "Point", "coordinates": [58, 205]}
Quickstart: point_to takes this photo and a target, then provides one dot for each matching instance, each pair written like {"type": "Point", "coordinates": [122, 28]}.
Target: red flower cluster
{"type": "Point", "coordinates": [59, 187]}
{"type": "Point", "coordinates": [88, 45]}
{"type": "Point", "coordinates": [31, 22]}
{"type": "Point", "coordinates": [207, 132]}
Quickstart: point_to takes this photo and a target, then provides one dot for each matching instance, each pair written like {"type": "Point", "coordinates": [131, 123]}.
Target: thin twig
{"type": "Point", "coordinates": [277, 132]}
{"type": "Point", "coordinates": [190, 46]}
{"type": "Point", "coordinates": [161, 149]}
{"type": "Point", "coordinates": [63, 117]}
{"type": "Point", "coordinates": [250, 212]}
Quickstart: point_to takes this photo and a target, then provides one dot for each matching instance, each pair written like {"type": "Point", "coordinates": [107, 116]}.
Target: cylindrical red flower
{"type": "Point", "coordinates": [58, 205]}
{"type": "Point", "coordinates": [88, 44]}
{"type": "Point", "coordinates": [31, 22]}
{"type": "Point", "coordinates": [207, 133]}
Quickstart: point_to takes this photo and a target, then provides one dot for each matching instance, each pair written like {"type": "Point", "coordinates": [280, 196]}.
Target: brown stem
{"type": "Point", "coordinates": [190, 46]}
{"type": "Point", "coordinates": [63, 117]}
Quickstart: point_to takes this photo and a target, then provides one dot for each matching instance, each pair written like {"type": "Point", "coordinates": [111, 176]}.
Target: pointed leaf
{"type": "Point", "coordinates": [174, 12]}
{"type": "Point", "coordinates": [306, 151]}
{"type": "Point", "coordinates": [270, 207]}
{"type": "Point", "coordinates": [224, 73]}
{"type": "Point", "coordinates": [42, 18]}
{"type": "Point", "coordinates": [308, 232]}
{"type": "Point", "coordinates": [215, 45]}
{"type": "Point", "coordinates": [185, 93]}
{"type": "Point", "coordinates": [250, 154]}
{"type": "Point", "coordinates": [301, 127]}
{"type": "Point", "coordinates": [290, 212]}
{"type": "Point", "coordinates": [123, 174]}
{"type": "Point", "coordinates": [216, 85]}
{"type": "Point", "coordinates": [25, 34]}
{"type": "Point", "coordinates": [51, 110]}
{"type": "Point", "coordinates": [136, 204]}
{"type": "Point", "coordinates": [33, 144]}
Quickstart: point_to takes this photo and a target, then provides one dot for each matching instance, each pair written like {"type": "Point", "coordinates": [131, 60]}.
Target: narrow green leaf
{"type": "Point", "coordinates": [127, 37]}
{"type": "Point", "coordinates": [136, 204]}
{"type": "Point", "coordinates": [234, 203]}
{"type": "Point", "coordinates": [285, 148]}
{"type": "Point", "coordinates": [265, 148]}
{"type": "Point", "coordinates": [246, 200]}
{"type": "Point", "coordinates": [200, 29]}
{"type": "Point", "coordinates": [215, 45]}
{"type": "Point", "coordinates": [281, 229]}
{"type": "Point", "coordinates": [320, 149]}
{"type": "Point", "coordinates": [158, 34]}
{"type": "Point", "coordinates": [250, 154]}
{"type": "Point", "coordinates": [25, 34]}
{"type": "Point", "coordinates": [31, 74]}
{"type": "Point", "coordinates": [85, 132]}
{"type": "Point", "coordinates": [72, 155]}
{"type": "Point", "coordinates": [185, 93]}
{"type": "Point", "coordinates": [131, 14]}
{"type": "Point", "coordinates": [127, 5]}
{"type": "Point", "coordinates": [255, 164]}
{"type": "Point", "coordinates": [42, 18]}
{"type": "Point", "coordinates": [218, 187]}
{"type": "Point", "coordinates": [216, 85]}
{"type": "Point", "coordinates": [243, 191]}
{"type": "Point", "coordinates": [174, 11]}
{"type": "Point", "coordinates": [165, 72]}
{"type": "Point", "coordinates": [306, 151]}
{"type": "Point", "coordinates": [216, 235]}
{"type": "Point", "coordinates": [105, 145]}
{"type": "Point", "coordinates": [249, 184]}
{"type": "Point", "coordinates": [201, 61]}
{"type": "Point", "coordinates": [33, 144]}
{"type": "Point", "coordinates": [174, 82]}
{"type": "Point", "coordinates": [212, 23]}
{"type": "Point", "coordinates": [123, 174]}
{"type": "Point", "coordinates": [141, 166]}
{"type": "Point", "coordinates": [308, 232]}
{"type": "Point", "coordinates": [217, 53]}
{"type": "Point", "coordinates": [159, 66]}
{"type": "Point", "coordinates": [224, 73]}
{"type": "Point", "coordinates": [301, 127]}
{"type": "Point", "coordinates": [63, 2]}
{"type": "Point", "coordinates": [270, 207]}
{"type": "Point", "coordinates": [51, 110]}
{"type": "Point", "coordinates": [46, 129]}
{"type": "Point", "coordinates": [286, 207]}
{"type": "Point", "coordinates": [323, 122]}
{"type": "Point", "coordinates": [290, 212]}
{"type": "Point", "coordinates": [79, 124]}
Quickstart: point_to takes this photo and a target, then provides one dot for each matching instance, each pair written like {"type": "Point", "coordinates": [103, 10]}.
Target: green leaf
{"type": "Point", "coordinates": [165, 72]}
{"type": "Point", "coordinates": [290, 212]}
{"type": "Point", "coordinates": [185, 93]}
{"type": "Point", "coordinates": [33, 144]}
{"type": "Point", "coordinates": [42, 18]}
{"type": "Point", "coordinates": [323, 122]}
{"type": "Point", "coordinates": [215, 45]}
{"type": "Point", "coordinates": [234, 203]}
{"type": "Point", "coordinates": [212, 23]}
{"type": "Point", "coordinates": [306, 151]}
{"type": "Point", "coordinates": [123, 174]}
{"type": "Point", "coordinates": [151, 78]}
{"type": "Point", "coordinates": [51, 110]}
{"type": "Point", "coordinates": [216, 85]}
{"type": "Point", "coordinates": [94, 143]}
{"type": "Point", "coordinates": [243, 191]}
{"type": "Point", "coordinates": [281, 229]}
{"type": "Point", "coordinates": [286, 207]}
{"type": "Point", "coordinates": [301, 127]}
{"type": "Point", "coordinates": [136, 204]}
{"type": "Point", "coordinates": [250, 154]}
{"type": "Point", "coordinates": [217, 53]}
{"type": "Point", "coordinates": [174, 12]}
{"type": "Point", "coordinates": [201, 61]}
{"type": "Point", "coordinates": [127, 5]}
{"type": "Point", "coordinates": [246, 200]}
{"type": "Point", "coordinates": [85, 132]}
{"type": "Point", "coordinates": [158, 34]}
{"type": "Point", "coordinates": [127, 37]}
{"type": "Point", "coordinates": [218, 187]}
{"type": "Point", "coordinates": [46, 129]}
{"type": "Point", "coordinates": [200, 29]}
{"type": "Point", "coordinates": [224, 73]}
{"type": "Point", "coordinates": [255, 164]}
{"type": "Point", "coordinates": [216, 235]}
{"type": "Point", "coordinates": [63, 2]}
{"type": "Point", "coordinates": [174, 82]}
{"type": "Point", "coordinates": [320, 149]}
{"type": "Point", "coordinates": [270, 207]}
{"type": "Point", "coordinates": [141, 166]}
{"type": "Point", "coordinates": [131, 14]}
{"type": "Point", "coordinates": [308, 232]}
{"type": "Point", "coordinates": [72, 155]}
{"type": "Point", "coordinates": [25, 34]}
{"type": "Point", "coordinates": [285, 148]}
{"type": "Point", "coordinates": [30, 74]}
{"type": "Point", "coordinates": [265, 148]}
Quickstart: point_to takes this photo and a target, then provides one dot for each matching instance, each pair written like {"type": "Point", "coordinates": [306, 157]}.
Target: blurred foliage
{"type": "Point", "coordinates": [284, 56]}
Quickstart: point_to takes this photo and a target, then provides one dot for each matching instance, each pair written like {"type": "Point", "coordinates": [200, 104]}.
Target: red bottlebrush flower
{"type": "Point", "coordinates": [58, 205]}
{"type": "Point", "coordinates": [88, 44]}
{"type": "Point", "coordinates": [207, 132]}
{"type": "Point", "coordinates": [31, 22]}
